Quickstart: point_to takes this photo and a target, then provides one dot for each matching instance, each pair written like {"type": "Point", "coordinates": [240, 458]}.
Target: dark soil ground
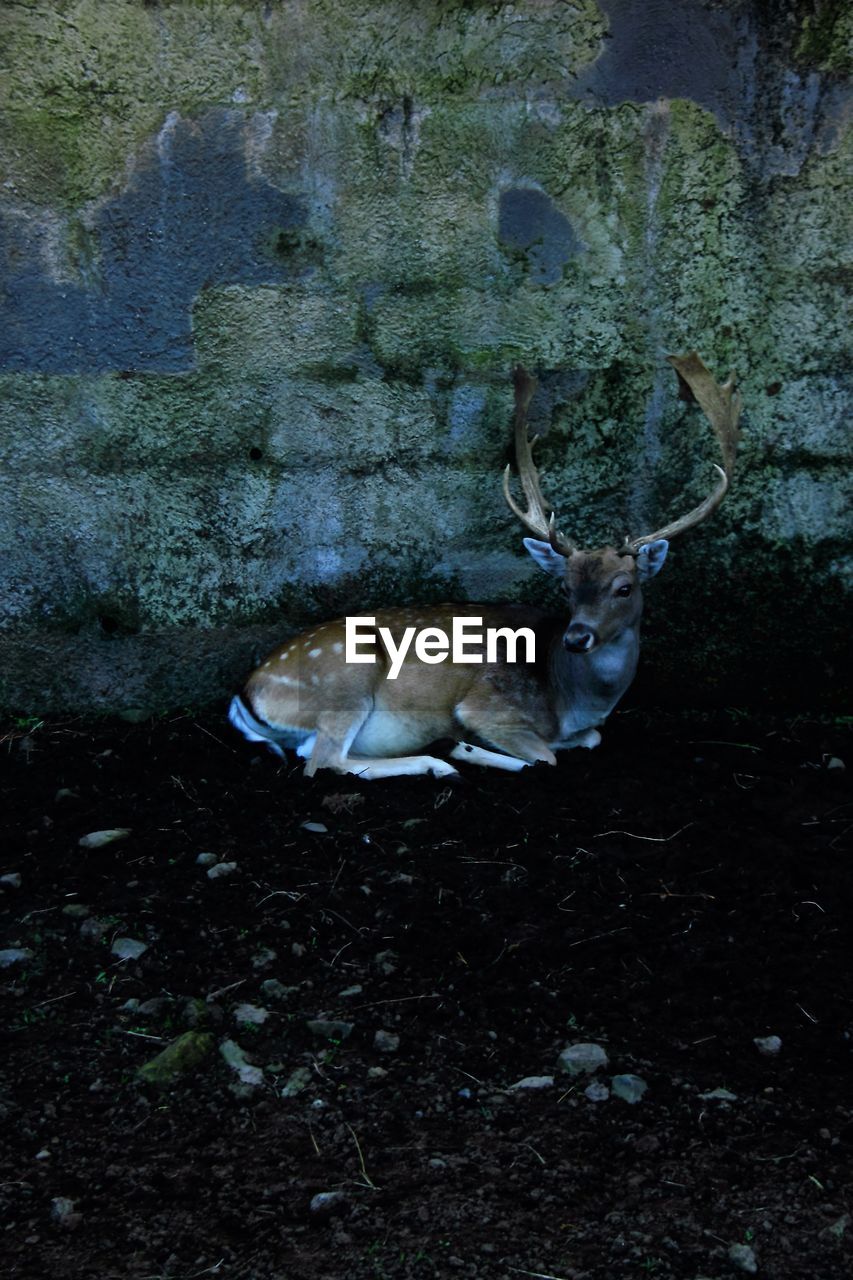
{"type": "Point", "coordinates": [670, 897]}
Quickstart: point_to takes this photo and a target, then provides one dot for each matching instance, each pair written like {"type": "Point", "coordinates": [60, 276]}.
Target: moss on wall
{"type": "Point", "coordinates": [266, 269]}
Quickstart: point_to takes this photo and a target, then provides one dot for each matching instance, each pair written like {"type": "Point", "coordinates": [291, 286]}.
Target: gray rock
{"type": "Point", "coordinates": [628, 1087]}
{"type": "Point", "coordinates": [386, 1042]}
{"type": "Point", "coordinates": [237, 1061]}
{"type": "Point", "coordinates": [582, 1059]}
{"type": "Point", "coordinates": [14, 955]}
{"type": "Point", "coordinates": [326, 1203]}
{"type": "Point", "coordinates": [128, 948]}
{"type": "Point", "coordinates": [743, 1257]}
{"type": "Point", "coordinates": [719, 1095]}
{"type": "Point", "coordinates": [264, 958]}
{"type": "Point", "coordinates": [11, 881]}
{"type": "Point", "coordinates": [97, 839]}
{"type": "Point", "coordinates": [769, 1046]}
{"type": "Point", "coordinates": [92, 929]}
{"type": "Point", "coordinates": [330, 1029]}
{"type": "Point", "coordinates": [64, 1214]}
{"type": "Point", "coordinates": [221, 870]}
{"type": "Point", "coordinates": [207, 860]}
{"type": "Point", "coordinates": [250, 1015]}
{"type": "Point", "coordinates": [349, 992]}
{"type": "Point", "coordinates": [76, 911]}
{"type": "Point", "coordinates": [297, 1082]}
{"type": "Point", "coordinates": [597, 1092]}
{"type": "Point", "coordinates": [275, 990]}
{"type": "Point", "coordinates": [534, 1082]}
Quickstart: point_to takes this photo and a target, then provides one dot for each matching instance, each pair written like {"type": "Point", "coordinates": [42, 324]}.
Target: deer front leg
{"type": "Point", "coordinates": [337, 732]}
{"type": "Point", "coordinates": [522, 744]}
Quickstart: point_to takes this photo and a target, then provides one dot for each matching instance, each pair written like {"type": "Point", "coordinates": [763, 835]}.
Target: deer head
{"type": "Point", "coordinates": [603, 586]}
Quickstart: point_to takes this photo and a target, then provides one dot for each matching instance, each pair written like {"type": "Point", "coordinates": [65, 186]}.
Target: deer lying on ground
{"type": "Point", "coordinates": [351, 696]}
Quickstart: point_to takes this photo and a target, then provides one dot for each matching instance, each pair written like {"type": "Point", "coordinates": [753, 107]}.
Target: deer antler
{"type": "Point", "coordinates": [534, 517]}
{"type": "Point", "coordinates": [722, 406]}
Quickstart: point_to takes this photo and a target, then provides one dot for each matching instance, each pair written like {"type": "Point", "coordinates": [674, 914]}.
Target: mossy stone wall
{"type": "Point", "coordinates": [265, 269]}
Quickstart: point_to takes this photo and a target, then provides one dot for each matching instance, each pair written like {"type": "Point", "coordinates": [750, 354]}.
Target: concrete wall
{"type": "Point", "coordinates": [266, 269]}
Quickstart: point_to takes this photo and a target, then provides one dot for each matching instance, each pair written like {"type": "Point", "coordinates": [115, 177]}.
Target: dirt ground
{"type": "Point", "coordinates": [371, 970]}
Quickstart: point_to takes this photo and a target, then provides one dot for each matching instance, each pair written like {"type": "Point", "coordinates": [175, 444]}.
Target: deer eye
{"type": "Point", "coordinates": [624, 590]}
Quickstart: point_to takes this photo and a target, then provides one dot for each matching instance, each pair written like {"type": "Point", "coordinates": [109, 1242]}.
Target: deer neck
{"type": "Point", "coordinates": [587, 686]}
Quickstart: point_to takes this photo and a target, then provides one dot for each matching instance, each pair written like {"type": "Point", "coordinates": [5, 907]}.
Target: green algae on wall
{"type": "Point", "coordinates": [266, 270]}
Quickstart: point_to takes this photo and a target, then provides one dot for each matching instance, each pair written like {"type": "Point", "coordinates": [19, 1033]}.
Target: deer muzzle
{"type": "Point", "coordinates": [579, 637]}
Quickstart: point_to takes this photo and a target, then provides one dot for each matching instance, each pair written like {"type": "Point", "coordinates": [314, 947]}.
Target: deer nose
{"type": "Point", "coordinates": [579, 638]}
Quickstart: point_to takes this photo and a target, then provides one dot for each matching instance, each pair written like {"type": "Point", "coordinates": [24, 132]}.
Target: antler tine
{"type": "Point", "coordinates": [534, 518]}
{"type": "Point", "coordinates": [721, 405]}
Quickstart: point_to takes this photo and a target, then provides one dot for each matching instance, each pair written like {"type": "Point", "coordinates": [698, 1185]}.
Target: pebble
{"type": "Point", "coordinates": [14, 955]}
{"type": "Point", "coordinates": [597, 1092]}
{"type": "Point", "coordinates": [207, 860]}
{"type": "Point", "coordinates": [236, 1059]}
{"type": "Point", "coordinates": [834, 762]}
{"type": "Point", "coordinates": [330, 1029]}
{"type": "Point", "coordinates": [128, 948]}
{"type": "Point", "coordinates": [97, 839]}
{"type": "Point", "coordinates": [719, 1095]}
{"type": "Point", "coordinates": [297, 1082]}
{"type": "Point", "coordinates": [76, 911]}
{"type": "Point", "coordinates": [629, 1088]}
{"type": "Point", "coordinates": [768, 1045]}
{"type": "Point", "coordinates": [319, 828]}
{"type": "Point", "coordinates": [743, 1257]}
{"type": "Point", "coordinates": [62, 1212]}
{"type": "Point", "coordinates": [92, 929]}
{"type": "Point", "coordinates": [325, 1203]}
{"type": "Point", "coordinates": [249, 1015]}
{"type": "Point", "coordinates": [349, 992]}
{"type": "Point", "coordinates": [386, 1042]}
{"type": "Point", "coordinates": [264, 958]}
{"type": "Point", "coordinates": [275, 990]}
{"type": "Point", "coordinates": [12, 880]}
{"type": "Point", "coordinates": [533, 1082]}
{"type": "Point", "coordinates": [582, 1059]}
{"type": "Point", "coordinates": [221, 870]}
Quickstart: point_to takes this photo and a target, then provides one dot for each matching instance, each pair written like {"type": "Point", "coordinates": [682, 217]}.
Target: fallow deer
{"type": "Point", "coordinates": [368, 715]}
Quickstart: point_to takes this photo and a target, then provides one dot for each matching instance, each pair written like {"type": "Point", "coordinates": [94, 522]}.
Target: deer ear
{"type": "Point", "coordinates": [546, 557]}
{"type": "Point", "coordinates": [651, 557]}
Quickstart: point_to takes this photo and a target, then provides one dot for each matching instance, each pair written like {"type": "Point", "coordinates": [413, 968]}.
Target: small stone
{"type": "Point", "coordinates": [207, 860]}
{"type": "Point", "coordinates": [376, 1073]}
{"type": "Point", "coordinates": [221, 870]}
{"type": "Point", "coordinates": [533, 1082]}
{"type": "Point", "coordinates": [157, 1007]}
{"type": "Point", "coordinates": [11, 881]}
{"type": "Point", "coordinates": [719, 1095]}
{"type": "Point", "coordinates": [236, 1058]}
{"type": "Point", "coordinates": [629, 1088]}
{"type": "Point", "coordinates": [743, 1257]}
{"type": "Point", "coordinates": [63, 1213]}
{"type": "Point", "coordinates": [349, 992]}
{"type": "Point", "coordinates": [769, 1046]}
{"type": "Point", "coordinates": [44, 1154]}
{"type": "Point", "coordinates": [582, 1059]}
{"type": "Point", "coordinates": [330, 1029]}
{"type": "Point", "coordinates": [14, 955]}
{"type": "Point", "coordinates": [386, 962]}
{"type": "Point", "coordinates": [182, 1055]}
{"type": "Point", "coordinates": [275, 990]}
{"type": "Point", "coordinates": [297, 1082]}
{"type": "Point", "coordinates": [97, 839]}
{"type": "Point", "coordinates": [386, 1042]}
{"type": "Point", "coordinates": [319, 828]}
{"type": "Point", "coordinates": [264, 958]}
{"type": "Point", "coordinates": [835, 1231]}
{"type": "Point", "coordinates": [128, 948]}
{"type": "Point", "coordinates": [92, 929]}
{"type": "Point", "coordinates": [76, 911]}
{"type": "Point", "coordinates": [249, 1015]}
{"type": "Point", "coordinates": [326, 1203]}
{"type": "Point", "coordinates": [597, 1091]}
{"type": "Point", "coordinates": [65, 794]}
{"type": "Point", "coordinates": [834, 762]}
